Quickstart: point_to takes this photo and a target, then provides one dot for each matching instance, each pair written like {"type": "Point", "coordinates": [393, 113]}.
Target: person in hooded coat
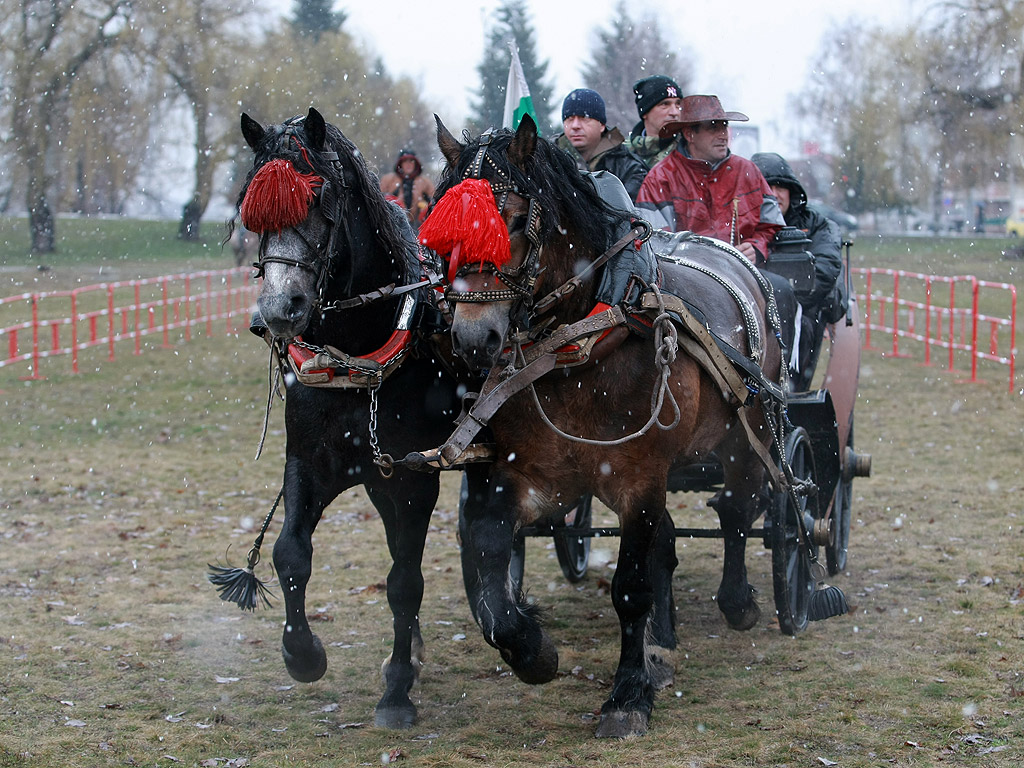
{"type": "Point", "coordinates": [826, 302]}
{"type": "Point", "coordinates": [408, 187]}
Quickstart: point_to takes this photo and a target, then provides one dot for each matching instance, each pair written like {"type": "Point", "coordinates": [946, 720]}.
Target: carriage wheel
{"type": "Point", "coordinates": [791, 561]}
{"type": "Point", "coordinates": [836, 551]}
{"type": "Point", "coordinates": [574, 551]}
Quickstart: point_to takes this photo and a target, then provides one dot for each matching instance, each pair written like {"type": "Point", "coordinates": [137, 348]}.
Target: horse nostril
{"type": "Point", "coordinates": [296, 307]}
{"type": "Point", "coordinates": [492, 345]}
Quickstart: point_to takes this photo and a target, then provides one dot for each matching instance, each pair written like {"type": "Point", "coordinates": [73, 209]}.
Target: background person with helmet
{"type": "Point", "coordinates": [594, 145]}
{"type": "Point", "coordinates": [827, 301]}
{"type": "Point", "coordinates": [408, 187]}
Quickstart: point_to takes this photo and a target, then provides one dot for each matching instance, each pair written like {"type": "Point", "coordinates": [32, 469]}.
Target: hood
{"type": "Point", "coordinates": [408, 154]}
{"type": "Point", "coordinates": [776, 171]}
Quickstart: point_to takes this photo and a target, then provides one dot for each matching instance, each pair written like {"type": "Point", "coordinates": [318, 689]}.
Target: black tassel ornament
{"type": "Point", "coordinates": [827, 602]}
{"type": "Point", "coordinates": [241, 585]}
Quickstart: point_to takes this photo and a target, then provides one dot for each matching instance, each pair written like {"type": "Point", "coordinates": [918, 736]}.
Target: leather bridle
{"type": "Point", "coordinates": [519, 282]}
{"type": "Point", "coordinates": [332, 203]}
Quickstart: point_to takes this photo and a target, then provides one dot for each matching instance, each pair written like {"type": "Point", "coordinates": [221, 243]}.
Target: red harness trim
{"type": "Point", "coordinates": [393, 347]}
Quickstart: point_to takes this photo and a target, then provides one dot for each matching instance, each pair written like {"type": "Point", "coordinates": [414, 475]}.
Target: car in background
{"type": "Point", "coordinates": [1015, 226]}
{"type": "Point", "coordinates": [846, 222]}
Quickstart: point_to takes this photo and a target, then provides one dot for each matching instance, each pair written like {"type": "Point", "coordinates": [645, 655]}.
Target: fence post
{"type": "Point", "coordinates": [110, 325]}
{"type": "Point", "coordinates": [187, 305]}
{"type": "Point", "coordinates": [35, 337]}
{"type": "Point", "coordinates": [138, 321]}
{"type": "Point", "coordinates": [896, 314]}
{"type": "Point", "coordinates": [163, 301]}
{"type": "Point", "coordinates": [928, 321]}
{"type": "Point", "coordinates": [74, 331]}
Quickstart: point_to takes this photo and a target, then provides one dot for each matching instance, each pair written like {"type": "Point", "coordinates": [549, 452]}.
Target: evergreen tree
{"type": "Point", "coordinates": [314, 17]}
{"type": "Point", "coordinates": [625, 52]}
{"type": "Point", "coordinates": [511, 24]}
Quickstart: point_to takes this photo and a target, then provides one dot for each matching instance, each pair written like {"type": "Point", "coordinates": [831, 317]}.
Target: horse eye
{"type": "Point", "coordinates": [517, 224]}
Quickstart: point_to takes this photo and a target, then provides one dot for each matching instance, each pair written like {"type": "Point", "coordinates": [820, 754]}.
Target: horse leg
{"type": "Point", "coordinates": [304, 654]}
{"type": "Point", "coordinates": [662, 629]}
{"type": "Point", "coordinates": [405, 504]}
{"type": "Point", "coordinates": [507, 621]}
{"type": "Point", "coordinates": [738, 506]}
{"type": "Point", "coordinates": [627, 711]}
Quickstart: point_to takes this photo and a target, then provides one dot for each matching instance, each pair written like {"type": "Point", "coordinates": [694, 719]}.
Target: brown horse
{"type": "Point", "coordinates": [612, 426]}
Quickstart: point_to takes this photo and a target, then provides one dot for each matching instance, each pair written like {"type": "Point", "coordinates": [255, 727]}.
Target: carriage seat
{"type": "Point", "coordinates": [617, 284]}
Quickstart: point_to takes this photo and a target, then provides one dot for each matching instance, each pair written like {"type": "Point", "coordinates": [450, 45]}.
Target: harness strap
{"type": "Point", "coordinates": [640, 230]}
{"type": "Point", "coordinates": [561, 341]}
{"type": "Point", "coordinates": [486, 405]}
{"type": "Point", "coordinates": [703, 346]}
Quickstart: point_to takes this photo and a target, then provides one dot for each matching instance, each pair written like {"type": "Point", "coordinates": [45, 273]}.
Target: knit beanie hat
{"type": "Point", "coordinates": [652, 90]}
{"type": "Point", "coordinates": [584, 102]}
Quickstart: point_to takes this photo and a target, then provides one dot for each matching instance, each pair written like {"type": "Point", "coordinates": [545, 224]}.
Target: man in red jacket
{"type": "Point", "coordinates": [704, 188]}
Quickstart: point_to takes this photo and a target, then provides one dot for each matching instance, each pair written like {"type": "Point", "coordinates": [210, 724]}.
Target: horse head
{"type": "Point", "coordinates": [513, 215]}
{"type": "Point", "coordinates": [320, 217]}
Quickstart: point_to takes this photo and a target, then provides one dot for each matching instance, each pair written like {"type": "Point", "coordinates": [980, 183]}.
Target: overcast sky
{"type": "Point", "coordinates": [752, 53]}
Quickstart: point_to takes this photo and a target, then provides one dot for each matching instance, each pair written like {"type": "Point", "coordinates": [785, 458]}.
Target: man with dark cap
{"type": "Point", "coordinates": [658, 101]}
{"type": "Point", "coordinates": [408, 187]}
{"type": "Point", "coordinates": [594, 145]}
{"type": "Point", "coordinates": [826, 301]}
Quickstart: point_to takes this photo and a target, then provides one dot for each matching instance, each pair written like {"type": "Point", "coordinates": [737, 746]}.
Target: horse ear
{"type": "Point", "coordinates": [448, 144]}
{"type": "Point", "coordinates": [525, 142]}
{"type": "Point", "coordinates": [316, 130]}
{"type": "Point", "coordinates": [252, 131]}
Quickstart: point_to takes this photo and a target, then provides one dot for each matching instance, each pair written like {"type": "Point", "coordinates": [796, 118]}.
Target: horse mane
{"type": "Point", "coordinates": [390, 228]}
{"type": "Point", "coordinates": [568, 199]}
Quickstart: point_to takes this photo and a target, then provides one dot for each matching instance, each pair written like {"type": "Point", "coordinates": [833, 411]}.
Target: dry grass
{"type": "Point", "coordinates": [118, 486]}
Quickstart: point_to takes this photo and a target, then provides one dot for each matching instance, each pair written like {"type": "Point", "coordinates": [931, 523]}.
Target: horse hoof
{"type": "Point", "coordinates": [544, 667]}
{"type": "Point", "coordinates": [660, 669]}
{"type": "Point", "coordinates": [396, 717]}
{"type": "Point", "coordinates": [416, 663]}
{"type": "Point", "coordinates": [619, 724]}
{"type": "Point", "coordinates": [306, 667]}
{"type": "Point", "coordinates": [745, 619]}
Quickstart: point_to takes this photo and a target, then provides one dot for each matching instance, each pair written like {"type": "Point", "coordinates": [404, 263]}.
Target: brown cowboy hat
{"type": "Point", "coordinates": [700, 109]}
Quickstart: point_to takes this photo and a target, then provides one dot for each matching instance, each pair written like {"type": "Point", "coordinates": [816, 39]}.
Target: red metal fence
{"type": "Point", "coordinates": [957, 321]}
{"type": "Point", "coordinates": [960, 322]}
{"type": "Point", "coordinates": [110, 316]}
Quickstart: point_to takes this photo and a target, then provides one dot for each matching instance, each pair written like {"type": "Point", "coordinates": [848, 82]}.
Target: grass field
{"type": "Point", "coordinates": [118, 486]}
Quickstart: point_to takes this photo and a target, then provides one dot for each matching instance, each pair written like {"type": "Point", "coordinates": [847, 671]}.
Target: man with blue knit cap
{"type": "Point", "coordinates": [594, 145]}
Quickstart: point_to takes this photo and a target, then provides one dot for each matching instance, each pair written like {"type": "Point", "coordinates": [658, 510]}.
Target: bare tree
{"type": "Point", "coordinates": [349, 86]}
{"type": "Point", "coordinates": [200, 46]}
{"type": "Point", "coordinates": [46, 45]}
{"type": "Point", "coordinates": [626, 51]}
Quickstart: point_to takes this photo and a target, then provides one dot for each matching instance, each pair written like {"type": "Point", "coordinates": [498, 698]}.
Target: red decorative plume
{"type": "Point", "coordinates": [467, 224]}
{"type": "Point", "coordinates": [278, 197]}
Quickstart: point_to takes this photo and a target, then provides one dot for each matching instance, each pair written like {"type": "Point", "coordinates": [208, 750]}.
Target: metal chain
{"type": "Point", "coordinates": [383, 461]}
{"type": "Point", "coordinates": [352, 363]}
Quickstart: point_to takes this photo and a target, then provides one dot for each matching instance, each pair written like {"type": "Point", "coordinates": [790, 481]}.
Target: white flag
{"type": "Point", "coordinates": [517, 93]}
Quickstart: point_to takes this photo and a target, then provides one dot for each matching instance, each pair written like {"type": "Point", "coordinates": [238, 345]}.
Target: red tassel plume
{"type": "Point", "coordinates": [467, 224]}
{"type": "Point", "coordinates": [278, 197]}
